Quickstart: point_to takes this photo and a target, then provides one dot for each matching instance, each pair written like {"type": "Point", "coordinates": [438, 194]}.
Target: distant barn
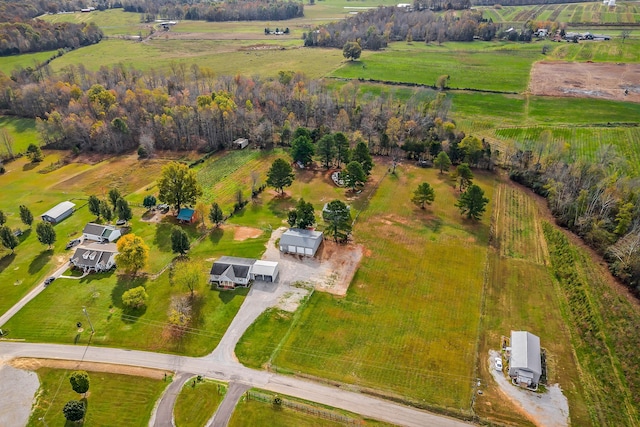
{"type": "Point", "coordinates": [58, 212]}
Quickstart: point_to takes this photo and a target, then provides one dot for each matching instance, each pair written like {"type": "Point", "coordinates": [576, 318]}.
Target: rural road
{"type": "Point", "coordinates": [162, 415]}
{"type": "Point", "coordinates": [232, 371]}
{"type": "Point", "coordinates": [225, 410]}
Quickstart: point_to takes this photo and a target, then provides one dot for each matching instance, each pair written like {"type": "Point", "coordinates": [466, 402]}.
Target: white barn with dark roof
{"type": "Point", "coordinates": [229, 272]}
{"type": "Point", "coordinates": [300, 242]}
{"type": "Point", "coordinates": [525, 363]}
{"type": "Point", "coordinates": [58, 212]}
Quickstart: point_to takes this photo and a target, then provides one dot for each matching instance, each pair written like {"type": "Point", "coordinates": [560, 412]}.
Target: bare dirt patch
{"type": "Point", "coordinates": [244, 233]}
{"type": "Point", "coordinates": [618, 82]}
{"type": "Point", "coordinates": [32, 364]}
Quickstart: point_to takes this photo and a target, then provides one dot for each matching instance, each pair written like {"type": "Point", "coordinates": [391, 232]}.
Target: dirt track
{"type": "Point", "coordinates": [586, 80]}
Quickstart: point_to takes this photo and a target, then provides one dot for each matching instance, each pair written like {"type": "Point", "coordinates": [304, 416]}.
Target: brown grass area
{"type": "Point", "coordinates": [344, 260]}
{"type": "Point", "coordinates": [33, 364]}
{"type": "Point", "coordinates": [586, 80]}
{"type": "Point", "coordinates": [244, 233]}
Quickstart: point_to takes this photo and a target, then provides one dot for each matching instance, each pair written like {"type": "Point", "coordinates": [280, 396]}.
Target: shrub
{"type": "Point", "coordinates": [135, 298]}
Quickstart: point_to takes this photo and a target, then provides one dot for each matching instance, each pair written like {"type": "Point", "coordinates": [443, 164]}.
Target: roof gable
{"type": "Point", "coordinates": [525, 351]}
{"type": "Point", "coordinates": [59, 209]}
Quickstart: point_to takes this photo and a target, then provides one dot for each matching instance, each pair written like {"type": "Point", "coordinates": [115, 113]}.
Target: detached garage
{"type": "Point", "coordinates": [267, 271]}
{"type": "Point", "coordinates": [300, 242]}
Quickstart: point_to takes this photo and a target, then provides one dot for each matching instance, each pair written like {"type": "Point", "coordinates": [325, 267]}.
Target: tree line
{"type": "Point", "coordinates": [12, 11]}
{"type": "Point", "coordinates": [375, 28]}
{"type": "Point", "coordinates": [597, 200]}
{"type": "Point", "coordinates": [120, 108]}
{"type": "Point", "coordinates": [37, 35]}
{"type": "Point", "coordinates": [253, 10]}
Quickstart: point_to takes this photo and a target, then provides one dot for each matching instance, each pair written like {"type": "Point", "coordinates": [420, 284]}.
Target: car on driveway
{"type": "Point", "coordinates": [72, 243]}
{"type": "Point", "coordinates": [49, 280]}
{"type": "Point", "coordinates": [121, 222]}
{"type": "Point", "coordinates": [163, 208]}
{"type": "Point", "coordinates": [499, 363]}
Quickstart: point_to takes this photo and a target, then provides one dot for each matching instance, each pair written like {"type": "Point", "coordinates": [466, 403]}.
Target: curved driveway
{"type": "Point", "coordinates": [232, 371]}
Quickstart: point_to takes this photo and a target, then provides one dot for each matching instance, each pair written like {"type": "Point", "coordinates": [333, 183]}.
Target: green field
{"type": "Point", "coordinates": [197, 402]}
{"type": "Point", "coordinates": [9, 63]}
{"type": "Point", "coordinates": [112, 22]}
{"type": "Point", "coordinates": [422, 316]}
{"type": "Point", "coordinates": [493, 66]}
{"type": "Point", "coordinates": [592, 12]}
{"type": "Point", "coordinates": [21, 132]}
{"type": "Point", "coordinates": [126, 398]}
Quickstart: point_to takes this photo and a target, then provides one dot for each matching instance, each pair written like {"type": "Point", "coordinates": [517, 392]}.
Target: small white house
{"type": "Point", "coordinates": [229, 272]}
{"type": "Point", "coordinates": [240, 143]}
{"type": "Point", "coordinates": [300, 242]}
{"type": "Point", "coordinates": [525, 363]}
{"type": "Point", "coordinates": [100, 233]}
{"type": "Point", "coordinates": [90, 259]}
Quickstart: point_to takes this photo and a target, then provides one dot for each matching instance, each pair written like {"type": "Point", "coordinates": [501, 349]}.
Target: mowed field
{"type": "Point", "coordinates": [408, 324]}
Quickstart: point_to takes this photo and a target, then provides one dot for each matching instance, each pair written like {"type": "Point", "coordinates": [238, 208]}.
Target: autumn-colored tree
{"type": "Point", "coordinates": [133, 253]}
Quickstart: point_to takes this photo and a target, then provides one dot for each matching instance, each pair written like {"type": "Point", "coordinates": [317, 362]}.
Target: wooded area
{"type": "Point", "coordinates": [38, 35]}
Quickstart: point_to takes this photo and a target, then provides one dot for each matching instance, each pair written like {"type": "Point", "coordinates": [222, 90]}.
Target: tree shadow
{"type": "Point", "coordinates": [25, 234]}
{"type": "Point", "coordinates": [197, 306]}
{"type": "Point", "coordinates": [96, 276]}
{"type": "Point", "coordinates": [162, 238]}
{"type": "Point", "coordinates": [215, 235]}
{"type": "Point", "coordinates": [29, 166]}
{"type": "Point", "coordinates": [40, 261]}
{"type": "Point", "coordinates": [6, 261]}
{"type": "Point", "coordinates": [226, 296]}
{"type": "Point", "coordinates": [280, 205]}
{"type": "Point", "coordinates": [123, 284]}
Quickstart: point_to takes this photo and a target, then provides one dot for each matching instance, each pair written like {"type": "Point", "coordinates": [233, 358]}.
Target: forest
{"type": "Point", "coordinates": [38, 36]}
{"type": "Point", "coordinates": [375, 28]}
{"type": "Point", "coordinates": [253, 10]}
{"type": "Point", "coordinates": [597, 200]}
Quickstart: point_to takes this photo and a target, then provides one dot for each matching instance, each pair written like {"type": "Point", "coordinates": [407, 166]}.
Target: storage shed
{"type": "Point", "coordinates": [240, 143]}
{"type": "Point", "coordinates": [187, 215]}
{"type": "Point", "coordinates": [301, 242]}
{"type": "Point", "coordinates": [58, 212]}
{"type": "Point", "coordinates": [525, 364]}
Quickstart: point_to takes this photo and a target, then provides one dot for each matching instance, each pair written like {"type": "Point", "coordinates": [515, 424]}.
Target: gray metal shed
{"type": "Point", "coordinates": [525, 364]}
{"type": "Point", "coordinates": [58, 212]}
{"type": "Point", "coordinates": [300, 242]}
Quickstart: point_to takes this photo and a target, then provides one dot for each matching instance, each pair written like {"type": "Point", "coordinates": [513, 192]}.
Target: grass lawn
{"type": "Point", "coordinates": [520, 295]}
{"type": "Point", "coordinates": [407, 325]}
{"type": "Point", "coordinates": [197, 404]}
{"type": "Point", "coordinates": [496, 66]}
{"type": "Point", "coordinates": [263, 337]}
{"type": "Point", "coordinates": [21, 131]}
{"type": "Point", "coordinates": [124, 398]}
{"type": "Point", "coordinates": [258, 409]}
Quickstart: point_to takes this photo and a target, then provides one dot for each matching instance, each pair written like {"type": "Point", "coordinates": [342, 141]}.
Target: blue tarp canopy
{"type": "Point", "coordinates": [185, 214]}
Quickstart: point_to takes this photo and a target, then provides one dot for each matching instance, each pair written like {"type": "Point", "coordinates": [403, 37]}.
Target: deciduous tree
{"type": "Point", "coordinates": [351, 50]}
{"type": "Point", "coordinates": [423, 195]}
{"type": "Point", "coordinates": [280, 175]}
{"type": "Point", "coordinates": [179, 241]}
{"type": "Point", "coordinates": [302, 216]}
{"type": "Point", "coordinates": [149, 202]}
{"type": "Point", "coordinates": [114, 195]}
{"type": "Point", "coordinates": [34, 153]}
{"type": "Point", "coordinates": [26, 216]}
{"type": "Point", "coordinates": [338, 218]}
{"type": "Point", "coordinates": [74, 410]}
{"type": "Point", "coordinates": [133, 253]}
{"type": "Point", "coordinates": [105, 210]}
{"type": "Point", "coordinates": [46, 233]}
{"type": "Point", "coordinates": [79, 381]}
{"type": "Point", "coordinates": [94, 205]}
{"type": "Point", "coordinates": [135, 298]}
{"type": "Point", "coordinates": [7, 238]}
{"type": "Point", "coordinates": [189, 274]}
{"type": "Point", "coordinates": [178, 185]}
{"type": "Point", "coordinates": [123, 210]}
{"type": "Point", "coordinates": [302, 149]}
{"type": "Point", "coordinates": [472, 202]}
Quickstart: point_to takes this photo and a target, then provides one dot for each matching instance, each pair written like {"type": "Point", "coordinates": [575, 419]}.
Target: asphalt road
{"type": "Point", "coordinates": [232, 371]}
{"type": "Point", "coordinates": [225, 410]}
{"type": "Point", "coordinates": [162, 415]}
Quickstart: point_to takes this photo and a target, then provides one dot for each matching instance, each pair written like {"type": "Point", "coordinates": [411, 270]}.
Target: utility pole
{"type": "Point", "coordinates": [84, 309]}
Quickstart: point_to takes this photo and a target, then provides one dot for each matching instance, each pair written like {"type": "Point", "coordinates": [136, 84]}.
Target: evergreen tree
{"type": "Point", "coordinates": [114, 195]}
{"type": "Point", "coordinates": [338, 218]}
{"type": "Point", "coordinates": [215, 215]}
{"type": "Point", "coordinates": [123, 210]}
{"type": "Point", "coordinates": [302, 150]}
{"type": "Point", "coordinates": [94, 205]}
{"type": "Point", "coordinates": [442, 161]}
{"type": "Point", "coordinates": [3, 218]}
{"type": "Point", "coordinates": [327, 150]}
{"type": "Point", "coordinates": [179, 241]}
{"type": "Point", "coordinates": [7, 238]}
{"type": "Point", "coordinates": [424, 194]}
{"type": "Point", "coordinates": [472, 202]}
{"type": "Point", "coordinates": [26, 216]}
{"type": "Point", "coordinates": [280, 175]}
{"type": "Point", "coordinates": [361, 155]}
{"type": "Point", "coordinates": [354, 175]}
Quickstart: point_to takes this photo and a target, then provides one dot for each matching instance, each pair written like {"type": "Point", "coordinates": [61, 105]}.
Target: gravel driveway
{"type": "Point", "coordinates": [549, 409]}
{"type": "Point", "coordinates": [17, 388]}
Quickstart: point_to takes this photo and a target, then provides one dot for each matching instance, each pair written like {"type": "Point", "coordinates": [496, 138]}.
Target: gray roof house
{"type": "Point", "coordinates": [525, 364]}
{"type": "Point", "coordinates": [58, 212]}
{"type": "Point", "coordinates": [301, 242]}
{"type": "Point", "coordinates": [90, 259]}
{"type": "Point", "coordinates": [229, 272]}
{"type": "Point", "coordinates": [100, 233]}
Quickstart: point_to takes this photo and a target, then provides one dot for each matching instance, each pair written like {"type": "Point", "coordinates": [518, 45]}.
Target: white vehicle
{"type": "Point", "coordinates": [499, 363]}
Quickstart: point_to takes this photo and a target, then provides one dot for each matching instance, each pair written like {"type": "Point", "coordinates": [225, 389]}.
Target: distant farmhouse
{"type": "Point", "coordinates": [229, 272]}
{"type": "Point", "coordinates": [94, 260]}
{"type": "Point", "coordinates": [100, 233]}
{"type": "Point", "coordinates": [58, 212]}
{"type": "Point", "coordinates": [300, 242]}
{"type": "Point", "coordinates": [525, 363]}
